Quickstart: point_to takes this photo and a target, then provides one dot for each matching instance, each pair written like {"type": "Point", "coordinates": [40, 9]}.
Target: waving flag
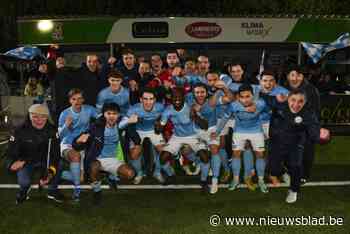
{"type": "Point", "coordinates": [318, 51]}
{"type": "Point", "coordinates": [25, 53]}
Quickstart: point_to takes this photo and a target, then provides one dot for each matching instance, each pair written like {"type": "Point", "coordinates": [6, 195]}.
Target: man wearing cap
{"type": "Point", "coordinates": [34, 147]}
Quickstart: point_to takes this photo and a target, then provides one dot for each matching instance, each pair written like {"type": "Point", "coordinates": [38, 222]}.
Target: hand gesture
{"type": "Point", "coordinates": [220, 84]}
{"type": "Point", "coordinates": [133, 119]}
{"type": "Point", "coordinates": [83, 138]}
{"type": "Point", "coordinates": [17, 165]}
{"type": "Point", "coordinates": [251, 108]}
{"type": "Point", "coordinates": [69, 121]}
{"type": "Point", "coordinates": [112, 60]}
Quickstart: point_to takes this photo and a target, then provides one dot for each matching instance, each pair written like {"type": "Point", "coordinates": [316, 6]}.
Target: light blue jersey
{"type": "Point", "coordinates": [207, 112]}
{"type": "Point", "coordinates": [146, 119]}
{"type": "Point", "coordinates": [183, 125]}
{"type": "Point", "coordinates": [266, 115]}
{"type": "Point", "coordinates": [245, 122]}
{"type": "Point", "coordinates": [81, 122]}
{"type": "Point", "coordinates": [111, 140]}
{"type": "Point", "coordinates": [121, 98]}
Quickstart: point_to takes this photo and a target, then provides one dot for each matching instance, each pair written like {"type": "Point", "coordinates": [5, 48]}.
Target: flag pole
{"type": "Point", "coordinates": [299, 53]}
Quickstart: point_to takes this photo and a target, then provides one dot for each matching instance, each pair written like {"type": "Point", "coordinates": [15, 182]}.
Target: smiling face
{"type": "Point", "coordinates": [38, 120]}
{"type": "Point", "coordinates": [148, 100]}
{"type": "Point", "coordinates": [144, 68]}
{"type": "Point", "coordinates": [156, 62]}
{"type": "Point", "coordinates": [200, 94]}
{"type": "Point", "coordinates": [190, 67]}
{"type": "Point", "coordinates": [60, 62]}
{"type": "Point", "coordinates": [115, 83]}
{"type": "Point", "coordinates": [267, 83]}
{"type": "Point", "coordinates": [178, 100]}
{"type": "Point", "coordinates": [245, 98]}
{"type": "Point", "coordinates": [296, 102]}
{"type": "Point", "coordinates": [172, 59]}
{"type": "Point", "coordinates": [76, 101]}
{"type": "Point", "coordinates": [212, 78]}
{"type": "Point", "coordinates": [129, 60]}
{"type": "Point", "coordinates": [236, 72]}
{"type": "Point", "coordinates": [203, 64]}
{"type": "Point", "coordinates": [295, 79]}
{"type": "Point", "coordinates": [92, 62]}
{"type": "Point", "coordinates": [111, 117]}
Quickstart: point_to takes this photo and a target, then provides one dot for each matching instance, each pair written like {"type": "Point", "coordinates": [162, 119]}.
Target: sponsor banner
{"type": "Point", "coordinates": [194, 30]}
{"type": "Point", "coordinates": [180, 29]}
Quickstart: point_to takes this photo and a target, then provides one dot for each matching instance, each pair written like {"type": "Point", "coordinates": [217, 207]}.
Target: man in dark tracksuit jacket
{"type": "Point", "coordinates": [296, 80]}
{"type": "Point", "coordinates": [290, 129]}
{"type": "Point", "coordinates": [102, 149]}
{"type": "Point", "coordinates": [28, 152]}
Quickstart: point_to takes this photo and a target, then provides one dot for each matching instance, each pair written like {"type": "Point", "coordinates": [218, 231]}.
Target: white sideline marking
{"type": "Point", "coordinates": [184, 186]}
{"type": "Point", "coordinates": [4, 142]}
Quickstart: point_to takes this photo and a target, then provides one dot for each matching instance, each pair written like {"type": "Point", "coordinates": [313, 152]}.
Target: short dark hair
{"type": "Point", "coordinates": [297, 92]}
{"type": "Point", "coordinates": [126, 51]}
{"type": "Point", "coordinates": [75, 91]}
{"type": "Point", "coordinates": [200, 85]}
{"type": "Point", "coordinates": [148, 90]}
{"type": "Point", "coordinates": [110, 106]}
{"type": "Point", "coordinates": [245, 87]}
{"type": "Point", "coordinates": [156, 54]}
{"type": "Point", "coordinates": [212, 72]}
{"type": "Point", "coordinates": [172, 51]}
{"type": "Point", "coordinates": [178, 89]}
{"type": "Point", "coordinates": [237, 63]}
{"type": "Point", "coordinates": [115, 74]}
{"type": "Point", "coordinates": [203, 55]}
{"type": "Point", "coordinates": [268, 73]}
{"type": "Point", "coordinates": [297, 68]}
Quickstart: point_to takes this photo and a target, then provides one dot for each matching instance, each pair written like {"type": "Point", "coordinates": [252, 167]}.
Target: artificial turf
{"type": "Point", "coordinates": [186, 211]}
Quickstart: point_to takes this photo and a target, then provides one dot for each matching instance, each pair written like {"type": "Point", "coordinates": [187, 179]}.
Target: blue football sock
{"type": "Point", "coordinates": [204, 170]}
{"type": "Point", "coordinates": [224, 160]}
{"type": "Point", "coordinates": [248, 160]}
{"type": "Point", "coordinates": [236, 166]}
{"type": "Point", "coordinates": [136, 164]}
{"type": "Point", "coordinates": [157, 166]}
{"type": "Point", "coordinates": [215, 165]}
{"type": "Point", "coordinates": [260, 167]}
{"type": "Point", "coordinates": [75, 170]}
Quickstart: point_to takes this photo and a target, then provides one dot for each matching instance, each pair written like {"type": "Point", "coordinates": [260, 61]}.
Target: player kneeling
{"type": "Point", "coordinates": [102, 142]}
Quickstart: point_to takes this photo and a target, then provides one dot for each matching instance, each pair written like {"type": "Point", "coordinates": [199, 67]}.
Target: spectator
{"type": "Point", "coordinates": [33, 88]}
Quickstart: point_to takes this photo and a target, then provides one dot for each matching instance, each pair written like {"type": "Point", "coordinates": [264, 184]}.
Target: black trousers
{"type": "Point", "coordinates": [308, 159]}
{"type": "Point", "coordinates": [282, 153]}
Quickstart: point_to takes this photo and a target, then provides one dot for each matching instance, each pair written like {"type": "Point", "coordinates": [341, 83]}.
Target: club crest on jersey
{"type": "Point", "coordinates": [298, 120]}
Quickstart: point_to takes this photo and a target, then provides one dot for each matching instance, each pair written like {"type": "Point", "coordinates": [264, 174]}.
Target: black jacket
{"type": "Point", "coordinates": [89, 82]}
{"type": "Point", "coordinates": [292, 128]}
{"type": "Point", "coordinates": [312, 96]}
{"type": "Point", "coordinates": [31, 145]}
